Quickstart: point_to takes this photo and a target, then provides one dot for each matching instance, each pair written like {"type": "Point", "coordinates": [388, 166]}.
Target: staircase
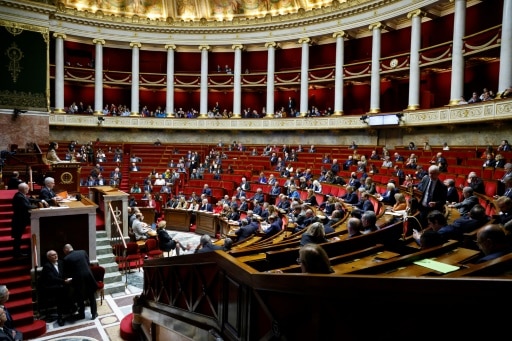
{"type": "Point", "coordinates": [17, 274]}
{"type": "Point", "coordinates": [113, 280]}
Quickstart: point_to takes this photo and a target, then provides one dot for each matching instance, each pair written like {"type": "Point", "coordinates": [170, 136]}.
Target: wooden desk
{"type": "Point", "coordinates": [177, 219]}
{"type": "Point", "coordinates": [453, 257]}
{"type": "Point", "coordinates": [364, 262]}
{"type": "Point", "coordinates": [227, 227]}
{"type": "Point", "coordinates": [54, 227]}
{"type": "Point", "coordinates": [206, 223]}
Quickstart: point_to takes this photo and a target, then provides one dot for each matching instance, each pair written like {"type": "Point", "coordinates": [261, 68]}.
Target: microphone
{"type": "Point", "coordinates": [79, 197]}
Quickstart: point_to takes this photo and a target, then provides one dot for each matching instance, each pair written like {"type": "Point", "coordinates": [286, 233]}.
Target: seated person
{"type": "Point", "coordinates": [275, 226]}
{"type": "Point", "coordinates": [246, 229]}
{"type": "Point", "coordinates": [313, 259]}
{"type": "Point", "coordinates": [206, 245]}
{"type": "Point", "coordinates": [467, 203]}
{"type": "Point", "coordinates": [368, 221]}
{"type": "Point", "coordinates": [141, 229]}
{"type": "Point", "coordinates": [315, 234]}
{"type": "Point", "coordinates": [165, 241]}
{"type": "Point", "coordinates": [493, 242]}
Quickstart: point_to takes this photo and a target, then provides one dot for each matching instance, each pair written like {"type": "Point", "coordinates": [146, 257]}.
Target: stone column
{"type": "Point", "coordinates": [59, 73]}
{"type": "Point", "coordinates": [459, 29]}
{"type": "Point", "coordinates": [237, 91]}
{"type": "Point", "coordinates": [169, 95]}
{"type": "Point", "coordinates": [203, 106]}
{"type": "Point", "coordinates": [98, 77]}
{"type": "Point", "coordinates": [338, 75]}
{"type": "Point", "coordinates": [375, 71]}
{"type": "Point", "coordinates": [304, 76]}
{"type": "Point", "coordinates": [414, 64]}
{"type": "Point", "coordinates": [135, 78]}
{"type": "Point", "coordinates": [271, 66]}
{"type": "Point", "coordinates": [505, 79]}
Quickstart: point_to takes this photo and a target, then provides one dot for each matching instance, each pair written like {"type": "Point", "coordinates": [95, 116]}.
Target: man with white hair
{"type": "Point", "coordinates": [47, 194]}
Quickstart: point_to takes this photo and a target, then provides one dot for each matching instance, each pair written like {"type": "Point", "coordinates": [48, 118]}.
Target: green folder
{"type": "Point", "coordinates": [437, 266]}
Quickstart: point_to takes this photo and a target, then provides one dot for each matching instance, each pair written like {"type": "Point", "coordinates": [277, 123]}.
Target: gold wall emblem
{"type": "Point", "coordinates": [66, 178]}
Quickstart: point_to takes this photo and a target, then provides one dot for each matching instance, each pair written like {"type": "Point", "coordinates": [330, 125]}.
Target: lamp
{"type": "Point", "coordinates": [400, 115]}
{"type": "Point", "coordinates": [100, 120]}
{"type": "Point", "coordinates": [364, 118]}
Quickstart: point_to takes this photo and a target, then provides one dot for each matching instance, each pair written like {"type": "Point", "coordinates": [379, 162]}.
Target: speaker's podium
{"type": "Point", "coordinates": [106, 196]}
{"type": "Point", "coordinates": [67, 176]}
{"type": "Point", "coordinates": [72, 222]}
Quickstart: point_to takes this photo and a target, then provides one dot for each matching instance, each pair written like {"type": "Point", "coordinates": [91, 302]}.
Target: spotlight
{"type": "Point", "coordinates": [364, 118]}
{"type": "Point", "coordinates": [399, 116]}
{"type": "Point", "coordinates": [101, 119]}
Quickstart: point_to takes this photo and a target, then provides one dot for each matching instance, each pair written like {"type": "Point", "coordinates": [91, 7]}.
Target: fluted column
{"type": "Point", "coordinates": [169, 95]}
{"type": "Point", "coordinates": [59, 73]}
{"type": "Point", "coordinates": [304, 76]}
{"type": "Point", "coordinates": [459, 29]}
{"type": "Point", "coordinates": [414, 63]}
{"type": "Point", "coordinates": [375, 71]}
{"type": "Point", "coordinates": [271, 66]}
{"type": "Point", "coordinates": [237, 91]}
{"type": "Point", "coordinates": [98, 77]}
{"type": "Point", "coordinates": [203, 106]}
{"type": "Point", "coordinates": [338, 73]}
{"type": "Point", "coordinates": [505, 80]}
{"type": "Point", "coordinates": [135, 78]}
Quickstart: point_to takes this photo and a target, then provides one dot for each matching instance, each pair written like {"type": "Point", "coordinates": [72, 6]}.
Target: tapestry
{"type": "Point", "coordinates": [24, 66]}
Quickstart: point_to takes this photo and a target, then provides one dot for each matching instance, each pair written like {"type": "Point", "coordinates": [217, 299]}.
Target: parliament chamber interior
{"type": "Point", "coordinates": [194, 100]}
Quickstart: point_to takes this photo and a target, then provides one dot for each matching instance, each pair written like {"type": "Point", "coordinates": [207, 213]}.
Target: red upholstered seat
{"type": "Point", "coordinates": [152, 250]}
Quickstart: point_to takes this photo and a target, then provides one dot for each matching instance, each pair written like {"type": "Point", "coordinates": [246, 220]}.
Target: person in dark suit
{"type": "Point", "coordinates": [6, 333]}
{"type": "Point", "coordinates": [315, 234]}
{"type": "Point", "coordinates": [284, 203]}
{"type": "Point", "coordinates": [452, 195]}
{"type": "Point", "coordinates": [493, 242]}
{"type": "Point", "coordinates": [351, 196]}
{"type": "Point", "coordinates": [434, 193]}
{"type": "Point", "coordinates": [474, 219]}
{"type": "Point", "coordinates": [388, 197]}
{"type": "Point", "coordinates": [77, 268]}
{"type": "Point", "coordinates": [47, 194]}
{"type": "Point", "coordinates": [206, 206]}
{"type": "Point", "coordinates": [467, 203]}
{"type": "Point", "coordinates": [54, 284]}
{"type": "Point", "coordinates": [206, 245]}
{"type": "Point", "coordinates": [275, 226]}
{"type": "Point", "coordinates": [14, 181]}
{"type": "Point", "coordinates": [476, 183]}
{"type": "Point", "coordinates": [246, 229]}
{"type": "Point", "coordinates": [21, 206]}
{"type": "Point", "coordinates": [364, 203]}
{"type": "Point", "coordinates": [207, 190]}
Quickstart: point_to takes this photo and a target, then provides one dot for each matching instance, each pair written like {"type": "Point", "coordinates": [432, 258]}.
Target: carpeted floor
{"type": "Point", "coordinates": [114, 308]}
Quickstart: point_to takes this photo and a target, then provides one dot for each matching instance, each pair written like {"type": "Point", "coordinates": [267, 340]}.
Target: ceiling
{"type": "Point", "coordinates": [196, 9]}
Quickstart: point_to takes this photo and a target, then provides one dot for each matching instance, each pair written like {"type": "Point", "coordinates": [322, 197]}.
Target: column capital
{"type": "Point", "coordinates": [305, 40]}
{"type": "Point", "coordinates": [377, 25]}
{"type": "Point", "coordinates": [135, 44]}
{"type": "Point", "coordinates": [204, 47]}
{"type": "Point", "coordinates": [342, 34]}
{"type": "Point", "coordinates": [170, 47]}
{"type": "Point", "coordinates": [271, 44]}
{"type": "Point", "coordinates": [59, 35]}
{"type": "Point", "coordinates": [416, 13]}
{"type": "Point", "coordinates": [237, 47]}
{"type": "Point", "coordinates": [98, 41]}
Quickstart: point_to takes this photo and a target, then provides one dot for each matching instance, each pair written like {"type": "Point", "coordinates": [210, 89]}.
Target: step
{"type": "Point", "coordinates": [33, 330]}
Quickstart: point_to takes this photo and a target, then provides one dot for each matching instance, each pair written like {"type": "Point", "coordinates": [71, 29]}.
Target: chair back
{"type": "Point", "coordinates": [151, 244]}
{"type": "Point", "coordinates": [132, 248]}
{"type": "Point", "coordinates": [98, 272]}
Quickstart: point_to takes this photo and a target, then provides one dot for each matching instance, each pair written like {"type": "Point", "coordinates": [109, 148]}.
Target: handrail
{"type": "Point", "coordinates": [120, 233]}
